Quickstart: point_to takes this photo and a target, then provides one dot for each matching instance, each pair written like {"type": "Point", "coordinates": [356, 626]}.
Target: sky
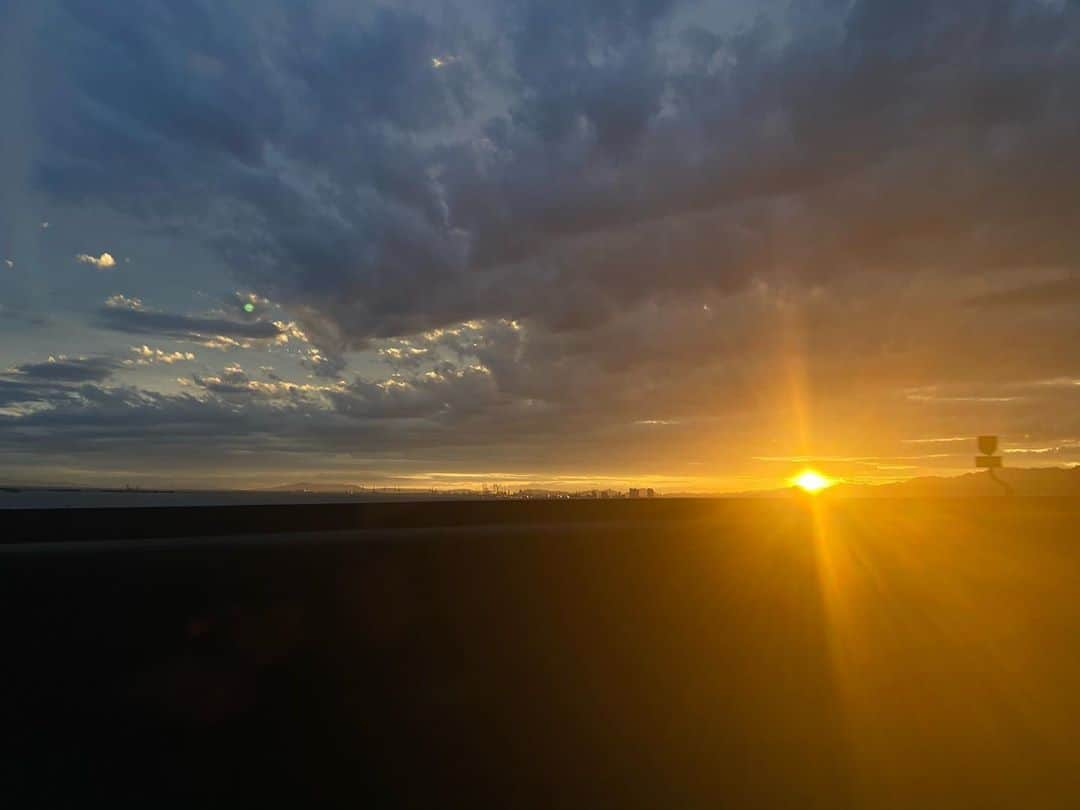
{"type": "Point", "coordinates": [551, 243]}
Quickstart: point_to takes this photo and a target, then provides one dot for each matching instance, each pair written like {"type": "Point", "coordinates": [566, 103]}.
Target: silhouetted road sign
{"type": "Point", "coordinates": [990, 461]}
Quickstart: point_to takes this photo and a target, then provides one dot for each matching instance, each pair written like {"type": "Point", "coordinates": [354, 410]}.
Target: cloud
{"type": "Point", "coordinates": [589, 156]}
{"type": "Point", "coordinates": [145, 356]}
{"type": "Point", "coordinates": [447, 390]}
{"type": "Point", "coordinates": [68, 369]}
{"type": "Point", "coordinates": [556, 217]}
{"type": "Point", "coordinates": [322, 365]}
{"type": "Point", "coordinates": [404, 355]}
{"type": "Point", "coordinates": [130, 315]}
{"type": "Point", "coordinates": [103, 262]}
{"type": "Point", "coordinates": [233, 383]}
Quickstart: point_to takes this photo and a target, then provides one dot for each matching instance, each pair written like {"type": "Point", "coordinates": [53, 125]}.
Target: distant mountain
{"type": "Point", "coordinates": [334, 488]}
{"type": "Point", "coordinates": [1023, 481]}
{"type": "Point", "coordinates": [304, 486]}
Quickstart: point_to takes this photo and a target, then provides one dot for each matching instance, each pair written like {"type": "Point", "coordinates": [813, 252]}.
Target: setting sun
{"type": "Point", "coordinates": [812, 481]}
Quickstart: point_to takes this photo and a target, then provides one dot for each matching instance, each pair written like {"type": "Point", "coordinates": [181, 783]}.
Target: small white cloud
{"type": "Point", "coordinates": [120, 301]}
{"type": "Point", "coordinates": [103, 262]}
{"type": "Point", "coordinates": [145, 356]}
{"type": "Point", "coordinates": [9, 262]}
{"type": "Point", "coordinates": [290, 330]}
{"type": "Point", "coordinates": [223, 342]}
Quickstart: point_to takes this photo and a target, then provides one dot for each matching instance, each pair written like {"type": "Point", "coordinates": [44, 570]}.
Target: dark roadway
{"type": "Point", "coordinates": [676, 654]}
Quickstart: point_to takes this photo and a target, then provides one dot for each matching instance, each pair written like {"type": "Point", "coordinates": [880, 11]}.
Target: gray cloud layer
{"type": "Point", "coordinates": [140, 321]}
{"type": "Point", "coordinates": [65, 369]}
{"type": "Point", "coordinates": [164, 323]}
{"type": "Point", "coordinates": [589, 155]}
{"type": "Point", "coordinates": [645, 217]}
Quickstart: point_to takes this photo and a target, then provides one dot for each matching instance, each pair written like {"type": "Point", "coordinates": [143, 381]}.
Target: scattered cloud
{"type": "Point", "coordinates": [145, 356]}
{"type": "Point", "coordinates": [121, 301]}
{"type": "Point", "coordinates": [449, 391]}
{"type": "Point", "coordinates": [64, 369]}
{"type": "Point", "coordinates": [233, 382]}
{"type": "Point", "coordinates": [130, 315]}
{"type": "Point", "coordinates": [103, 262]}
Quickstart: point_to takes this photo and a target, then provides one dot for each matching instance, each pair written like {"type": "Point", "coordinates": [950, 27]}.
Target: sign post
{"type": "Point", "coordinates": [989, 460]}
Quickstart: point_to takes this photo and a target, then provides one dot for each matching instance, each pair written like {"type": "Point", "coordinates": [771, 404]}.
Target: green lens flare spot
{"type": "Point", "coordinates": [249, 307]}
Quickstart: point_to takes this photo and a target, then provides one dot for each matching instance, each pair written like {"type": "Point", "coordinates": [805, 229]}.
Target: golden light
{"type": "Point", "coordinates": [812, 481]}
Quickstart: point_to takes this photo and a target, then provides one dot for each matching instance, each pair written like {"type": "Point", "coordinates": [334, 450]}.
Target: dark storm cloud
{"type": "Point", "coordinates": [69, 369]}
{"type": "Point", "coordinates": [392, 58]}
{"type": "Point", "coordinates": [230, 413]}
{"type": "Point", "coordinates": [585, 155]}
{"type": "Point", "coordinates": [114, 418]}
{"type": "Point", "coordinates": [137, 320]}
{"type": "Point", "coordinates": [20, 392]}
{"type": "Point", "coordinates": [567, 216]}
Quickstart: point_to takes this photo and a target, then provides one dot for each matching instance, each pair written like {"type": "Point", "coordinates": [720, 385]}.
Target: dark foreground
{"type": "Point", "coordinates": [657, 655]}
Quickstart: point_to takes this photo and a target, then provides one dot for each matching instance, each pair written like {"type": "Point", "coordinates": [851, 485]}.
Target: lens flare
{"type": "Point", "coordinates": [812, 481]}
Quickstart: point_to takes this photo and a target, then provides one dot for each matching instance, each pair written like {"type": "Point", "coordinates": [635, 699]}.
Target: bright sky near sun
{"type": "Point", "coordinates": [812, 481]}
